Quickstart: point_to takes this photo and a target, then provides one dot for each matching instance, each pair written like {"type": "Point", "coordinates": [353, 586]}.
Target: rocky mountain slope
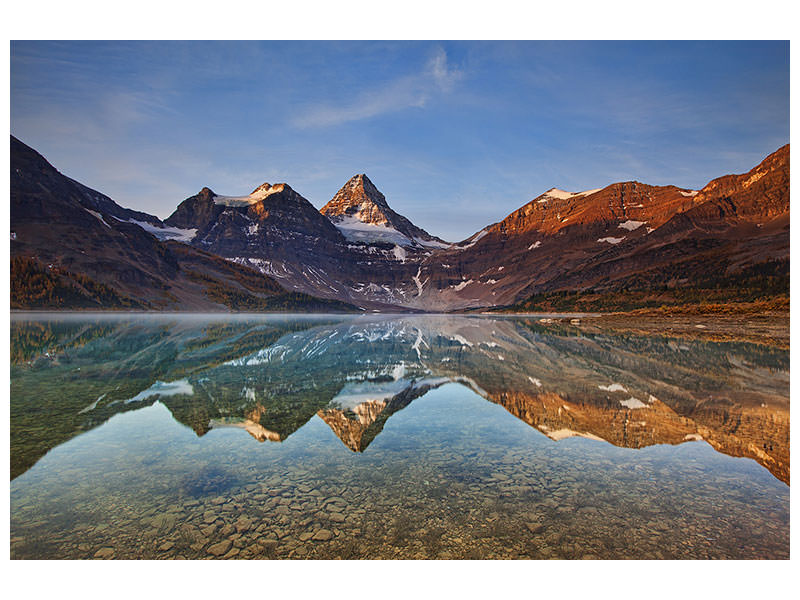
{"type": "Point", "coordinates": [370, 263]}
{"type": "Point", "coordinates": [360, 211]}
{"type": "Point", "coordinates": [73, 247]}
{"type": "Point", "coordinates": [625, 236]}
{"type": "Point", "coordinates": [623, 246]}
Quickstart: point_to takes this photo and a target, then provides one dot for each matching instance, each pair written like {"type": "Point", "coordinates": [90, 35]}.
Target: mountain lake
{"type": "Point", "coordinates": [138, 436]}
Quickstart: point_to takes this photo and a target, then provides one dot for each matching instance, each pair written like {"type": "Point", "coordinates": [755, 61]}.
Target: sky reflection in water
{"type": "Point", "coordinates": [418, 437]}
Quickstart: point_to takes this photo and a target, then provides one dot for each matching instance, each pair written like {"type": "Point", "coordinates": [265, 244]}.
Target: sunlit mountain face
{"type": "Point", "coordinates": [269, 388]}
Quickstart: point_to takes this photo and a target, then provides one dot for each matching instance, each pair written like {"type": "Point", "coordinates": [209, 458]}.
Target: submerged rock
{"type": "Point", "coordinates": [220, 548]}
{"type": "Point", "coordinates": [323, 535]}
{"type": "Point", "coordinates": [104, 553]}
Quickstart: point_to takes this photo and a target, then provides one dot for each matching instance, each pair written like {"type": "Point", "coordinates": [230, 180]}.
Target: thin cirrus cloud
{"type": "Point", "coordinates": [412, 91]}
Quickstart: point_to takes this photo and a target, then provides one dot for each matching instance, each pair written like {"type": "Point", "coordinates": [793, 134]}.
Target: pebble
{"type": "Point", "coordinates": [104, 553]}
{"type": "Point", "coordinates": [220, 548]}
{"type": "Point", "coordinates": [323, 535]}
{"type": "Point", "coordinates": [243, 524]}
{"type": "Point", "coordinates": [254, 549]}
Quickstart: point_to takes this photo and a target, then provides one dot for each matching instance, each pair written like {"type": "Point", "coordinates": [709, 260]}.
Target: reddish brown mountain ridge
{"type": "Point", "coordinates": [625, 236]}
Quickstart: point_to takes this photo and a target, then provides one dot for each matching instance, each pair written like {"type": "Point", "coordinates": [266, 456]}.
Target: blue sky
{"type": "Point", "coordinates": [455, 134]}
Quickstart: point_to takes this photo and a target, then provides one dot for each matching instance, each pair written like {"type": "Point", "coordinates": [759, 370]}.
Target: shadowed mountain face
{"type": "Point", "coordinates": [365, 252]}
{"type": "Point", "coordinates": [73, 247]}
{"type": "Point", "coordinates": [270, 376]}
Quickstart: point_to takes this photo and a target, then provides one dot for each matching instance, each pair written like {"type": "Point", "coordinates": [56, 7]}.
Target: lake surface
{"type": "Point", "coordinates": [205, 436]}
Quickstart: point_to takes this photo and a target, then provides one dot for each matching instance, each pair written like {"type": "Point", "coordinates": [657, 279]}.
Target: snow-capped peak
{"type": "Point", "coordinates": [559, 194]}
{"type": "Point", "coordinates": [257, 195]}
{"type": "Point", "coordinates": [564, 195]}
{"type": "Point", "coordinates": [360, 211]}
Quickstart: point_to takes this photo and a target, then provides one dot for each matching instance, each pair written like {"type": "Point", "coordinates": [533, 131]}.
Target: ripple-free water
{"type": "Point", "coordinates": [494, 440]}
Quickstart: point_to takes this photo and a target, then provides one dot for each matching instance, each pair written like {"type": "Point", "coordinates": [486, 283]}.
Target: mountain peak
{"type": "Point", "coordinates": [257, 195]}
{"type": "Point", "coordinates": [361, 200]}
{"type": "Point", "coordinates": [262, 188]}
{"type": "Point", "coordinates": [360, 211]}
{"type": "Point", "coordinates": [359, 190]}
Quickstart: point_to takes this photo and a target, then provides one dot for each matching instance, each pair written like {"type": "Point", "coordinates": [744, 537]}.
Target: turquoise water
{"type": "Point", "coordinates": [407, 437]}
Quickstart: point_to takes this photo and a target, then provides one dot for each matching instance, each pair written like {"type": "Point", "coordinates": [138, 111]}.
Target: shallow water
{"type": "Point", "coordinates": [391, 437]}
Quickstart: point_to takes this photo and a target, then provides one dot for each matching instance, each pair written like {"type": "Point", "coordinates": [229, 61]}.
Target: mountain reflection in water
{"type": "Point", "coordinates": [270, 376]}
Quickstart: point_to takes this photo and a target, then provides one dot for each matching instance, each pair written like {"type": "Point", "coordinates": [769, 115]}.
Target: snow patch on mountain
{"type": "Point", "coordinates": [611, 240]}
{"type": "Point", "coordinates": [474, 239]}
{"type": "Point", "coordinates": [355, 230]}
{"type": "Point", "coordinates": [166, 233]}
{"type": "Point", "coordinates": [432, 243]}
{"type": "Point", "coordinates": [631, 225]}
{"type": "Point", "coordinates": [614, 387]}
{"type": "Point", "coordinates": [559, 194]}
{"type": "Point", "coordinates": [417, 281]}
{"type": "Point", "coordinates": [633, 403]}
{"type": "Point", "coordinates": [98, 216]}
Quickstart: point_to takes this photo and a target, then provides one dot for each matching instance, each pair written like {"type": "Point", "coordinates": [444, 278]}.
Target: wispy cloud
{"type": "Point", "coordinates": [411, 91]}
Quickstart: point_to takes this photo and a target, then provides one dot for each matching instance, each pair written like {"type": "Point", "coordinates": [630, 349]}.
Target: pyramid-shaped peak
{"type": "Point", "coordinates": [359, 189]}
{"type": "Point", "coordinates": [361, 199]}
{"type": "Point", "coordinates": [359, 203]}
